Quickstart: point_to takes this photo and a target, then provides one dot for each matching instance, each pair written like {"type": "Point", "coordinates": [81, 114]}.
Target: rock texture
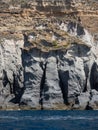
{"type": "Point", "coordinates": [50, 62]}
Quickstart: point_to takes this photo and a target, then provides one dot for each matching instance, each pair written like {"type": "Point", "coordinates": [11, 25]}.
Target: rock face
{"type": "Point", "coordinates": [11, 72]}
{"type": "Point", "coordinates": [38, 72]}
{"type": "Point", "coordinates": [47, 80]}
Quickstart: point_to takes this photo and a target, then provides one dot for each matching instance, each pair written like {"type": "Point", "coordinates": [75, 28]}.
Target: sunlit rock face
{"type": "Point", "coordinates": [48, 54]}
{"type": "Point", "coordinates": [46, 80]}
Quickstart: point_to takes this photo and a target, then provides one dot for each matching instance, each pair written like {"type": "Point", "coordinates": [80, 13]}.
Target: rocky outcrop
{"type": "Point", "coordinates": [49, 57]}
{"type": "Point", "coordinates": [93, 104]}
{"type": "Point", "coordinates": [11, 72]}
{"type": "Point", "coordinates": [47, 80]}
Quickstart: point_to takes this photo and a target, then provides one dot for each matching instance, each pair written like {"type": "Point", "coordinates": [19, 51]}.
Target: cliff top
{"type": "Point", "coordinates": [19, 17]}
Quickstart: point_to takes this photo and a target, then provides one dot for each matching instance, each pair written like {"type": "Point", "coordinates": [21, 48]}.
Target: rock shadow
{"type": "Point", "coordinates": [64, 77]}
{"type": "Point", "coordinates": [94, 76]}
{"type": "Point", "coordinates": [79, 50]}
{"type": "Point", "coordinates": [15, 85]}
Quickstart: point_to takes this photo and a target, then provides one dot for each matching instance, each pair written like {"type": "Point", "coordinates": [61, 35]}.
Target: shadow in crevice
{"type": "Point", "coordinates": [43, 88]}
{"type": "Point", "coordinates": [18, 89]}
{"type": "Point", "coordinates": [7, 82]}
{"type": "Point", "coordinates": [26, 43]}
{"type": "Point", "coordinates": [86, 70]}
{"type": "Point", "coordinates": [79, 50]}
{"type": "Point", "coordinates": [14, 85]}
{"type": "Point", "coordinates": [42, 85]}
{"type": "Point", "coordinates": [64, 77]}
{"type": "Point", "coordinates": [94, 77]}
{"type": "Point", "coordinates": [73, 26]}
{"type": "Point", "coordinates": [46, 43]}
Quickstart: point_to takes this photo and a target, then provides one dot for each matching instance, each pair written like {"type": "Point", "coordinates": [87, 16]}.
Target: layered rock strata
{"type": "Point", "coordinates": [49, 58]}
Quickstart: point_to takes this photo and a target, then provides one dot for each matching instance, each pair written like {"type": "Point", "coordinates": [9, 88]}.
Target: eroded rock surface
{"type": "Point", "coordinates": [48, 55]}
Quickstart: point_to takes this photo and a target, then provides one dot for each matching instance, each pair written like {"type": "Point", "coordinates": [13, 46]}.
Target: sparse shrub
{"type": "Point", "coordinates": [54, 43]}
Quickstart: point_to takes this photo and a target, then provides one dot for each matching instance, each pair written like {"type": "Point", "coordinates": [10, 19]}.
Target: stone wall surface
{"type": "Point", "coordinates": [48, 54]}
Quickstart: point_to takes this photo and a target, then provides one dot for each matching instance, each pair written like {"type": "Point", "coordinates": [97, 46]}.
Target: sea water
{"type": "Point", "coordinates": [48, 120]}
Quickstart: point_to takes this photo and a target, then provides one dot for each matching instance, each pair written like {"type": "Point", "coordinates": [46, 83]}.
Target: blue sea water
{"type": "Point", "coordinates": [48, 120]}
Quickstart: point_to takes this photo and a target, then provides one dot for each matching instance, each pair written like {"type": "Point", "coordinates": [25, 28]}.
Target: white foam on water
{"type": "Point", "coordinates": [9, 117]}
{"type": "Point", "coordinates": [49, 118]}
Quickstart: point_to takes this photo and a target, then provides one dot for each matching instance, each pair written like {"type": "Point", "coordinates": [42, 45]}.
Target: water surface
{"type": "Point", "coordinates": [48, 120]}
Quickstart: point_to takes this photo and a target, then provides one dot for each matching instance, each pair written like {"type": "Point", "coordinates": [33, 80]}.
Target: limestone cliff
{"type": "Point", "coordinates": [48, 54]}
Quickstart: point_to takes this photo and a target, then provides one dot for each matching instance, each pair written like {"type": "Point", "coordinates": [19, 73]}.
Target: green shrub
{"type": "Point", "coordinates": [54, 43]}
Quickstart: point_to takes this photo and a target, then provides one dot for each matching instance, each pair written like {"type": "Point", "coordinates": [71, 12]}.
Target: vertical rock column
{"type": "Point", "coordinates": [72, 76]}
{"type": "Point", "coordinates": [11, 72]}
{"type": "Point", "coordinates": [52, 95]}
{"type": "Point", "coordinates": [32, 78]}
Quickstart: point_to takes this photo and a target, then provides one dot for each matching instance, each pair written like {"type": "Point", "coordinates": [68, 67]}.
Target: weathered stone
{"type": "Point", "coordinates": [11, 70]}
{"type": "Point", "coordinates": [48, 55]}
{"type": "Point", "coordinates": [93, 104]}
{"type": "Point", "coordinates": [82, 101]}
{"type": "Point", "coordinates": [51, 93]}
{"type": "Point", "coordinates": [32, 78]}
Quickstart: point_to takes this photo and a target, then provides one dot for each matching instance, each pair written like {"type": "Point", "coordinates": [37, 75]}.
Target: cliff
{"type": "Point", "coordinates": [48, 54]}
